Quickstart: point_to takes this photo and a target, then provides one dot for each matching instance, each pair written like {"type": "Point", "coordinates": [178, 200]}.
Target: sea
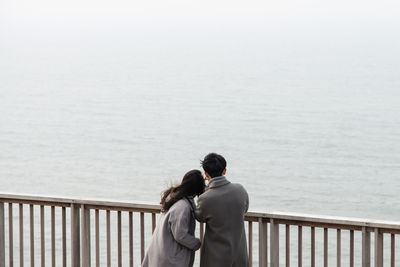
{"type": "Point", "coordinates": [306, 113]}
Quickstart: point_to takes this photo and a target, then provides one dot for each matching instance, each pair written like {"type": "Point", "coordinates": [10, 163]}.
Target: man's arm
{"type": "Point", "coordinates": [247, 201]}
{"type": "Point", "coordinates": [199, 211]}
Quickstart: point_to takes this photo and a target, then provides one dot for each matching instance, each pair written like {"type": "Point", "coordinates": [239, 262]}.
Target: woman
{"type": "Point", "coordinates": [173, 243]}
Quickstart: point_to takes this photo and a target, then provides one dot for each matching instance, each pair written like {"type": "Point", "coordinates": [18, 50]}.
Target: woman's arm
{"type": "Point", "coordinates": [179, 221]}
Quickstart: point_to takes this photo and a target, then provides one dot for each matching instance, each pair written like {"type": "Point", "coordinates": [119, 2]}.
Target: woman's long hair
{"type": "Point", "coordinates": [192, 184]}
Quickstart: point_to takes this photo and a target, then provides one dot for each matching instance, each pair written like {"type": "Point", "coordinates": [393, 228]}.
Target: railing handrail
{"type": "Point", "coordinates": [60, 201]}
{"type": "Point", "coordinates": [291, 217]}
{"type": "Point", "coordinates": [326, 219]}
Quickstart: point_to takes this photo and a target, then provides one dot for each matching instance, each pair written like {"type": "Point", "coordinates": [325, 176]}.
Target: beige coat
{"type": "Point", "coordinates": [222, 207]}
{"type": "Point", "coordinates": [173, 243]}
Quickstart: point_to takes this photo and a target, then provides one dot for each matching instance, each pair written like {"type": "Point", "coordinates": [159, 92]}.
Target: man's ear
{"type": "Point", "coordinates": [224, 171]}
{"type": "Point", "coordinates": [207, 176]}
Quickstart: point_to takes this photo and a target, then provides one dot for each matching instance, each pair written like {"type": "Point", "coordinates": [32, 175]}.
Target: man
{"type": "Point", "coordinates": [222, 207]}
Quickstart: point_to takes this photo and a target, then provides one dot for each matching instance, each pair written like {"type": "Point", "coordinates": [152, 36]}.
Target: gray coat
{"type": "Point", "coordinates": [222, 207]}
{"type": "Point", "coordinates": [173, 243]}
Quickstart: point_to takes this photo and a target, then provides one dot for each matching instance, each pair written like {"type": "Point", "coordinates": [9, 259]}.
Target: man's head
{"type": "Point", "coordinates": [214, 165]}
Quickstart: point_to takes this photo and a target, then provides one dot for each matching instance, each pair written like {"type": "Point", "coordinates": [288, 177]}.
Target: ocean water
{"type": "Point", "coordinates": [308, 117]}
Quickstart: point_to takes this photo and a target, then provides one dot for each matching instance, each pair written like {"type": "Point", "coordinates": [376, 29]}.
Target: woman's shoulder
{"type": "Point", "coordinates": [182, 204]}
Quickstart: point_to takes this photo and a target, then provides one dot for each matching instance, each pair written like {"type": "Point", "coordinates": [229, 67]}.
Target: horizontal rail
{"type": "Point", "coordinates": [66, 202]}
{"type": "Point", "coordinates": [280, 217]}
{"type": "Point", "coordinates": [322, 221]}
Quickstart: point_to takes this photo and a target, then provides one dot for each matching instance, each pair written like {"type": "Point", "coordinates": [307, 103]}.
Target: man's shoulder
{"type": "Point", "coordinates": [206, 194]}
{"type": "Point", "coordinates": [237, 187]}
{"type": "Point", "coordinates": [215, 191]}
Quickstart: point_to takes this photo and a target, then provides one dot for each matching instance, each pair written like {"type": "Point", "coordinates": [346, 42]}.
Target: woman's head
{"type": "Point", "coordinates": [192, 185]}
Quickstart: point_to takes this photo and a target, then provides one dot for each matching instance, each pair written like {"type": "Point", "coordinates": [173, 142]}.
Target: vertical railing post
{"type": "Point", "coordinates": [53, 236]}
{"type": "Point", "coordinates": [274, 246]}
{"type": "Point", "coordinates": [64, 235]}
{"type": "Point", "coordinates": [300, 245]}
{"type": "Point", "coordinates": [351, 248]}
{"type": "Point", "coordinates": [75, 236]}
{"type": "Point", "coordinates": [262, 243]}
{"type": "Point", "coordinates": [32, 233]}
{"type": "Point", "coordinates": [153, 222]}
{"type": "Point", "coordinates": [142, 248]}
{"type": "Point", "coordinates": [108, 239]}
{"type": "Point", "coordinates": [201, 232]}
{"type": "Point", "coordinates": [85, 236]}
{"type": "Point", "coordinates": [42, 238]}
{"type": "Point", "coordinates": [250, 224]}
{"type": "Point", "coordinates": [130, 239]}
{"type": "Point", "coordinates": [2, 237]}
{"type": "Point", "coordinates": [21, 235]}
{"type": "Point", "coordinates": [338, 248]}
{"type": "Point", "coordinates": [119, 238]}
{"type": "Point", "coordinates": [10, 235]}
{"type": "Point", "coordinates": [97, 234]}
{"type": "Point", "coordinates": [326, 252]}
{"type": "Point", "coordinates": [392, 250]}
{"type": "Point", "coordinates": [378, 248]}
{"type": "Point", "coordinates": [366, 248]}
{"type": "Point", "coordinates": [287, 245]}
{"type": "Point", "coordinates": [313, 246]}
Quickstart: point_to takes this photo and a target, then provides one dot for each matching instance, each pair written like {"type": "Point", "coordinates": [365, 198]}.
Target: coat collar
{"type": "Point", "coordinates": [218, 181]}
{"type": "Point", "coordinates": [191, 202]}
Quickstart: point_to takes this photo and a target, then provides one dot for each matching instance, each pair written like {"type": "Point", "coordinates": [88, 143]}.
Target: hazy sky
{"type": "Point", "coordinates": [23, 11]}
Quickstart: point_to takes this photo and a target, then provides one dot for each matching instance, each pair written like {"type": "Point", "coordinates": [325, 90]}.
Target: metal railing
{"type": "Point", "coordinates": [73, 231]}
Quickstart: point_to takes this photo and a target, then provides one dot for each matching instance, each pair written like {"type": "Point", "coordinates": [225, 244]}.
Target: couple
{"type": "Point", "coordinates": [221, 206]}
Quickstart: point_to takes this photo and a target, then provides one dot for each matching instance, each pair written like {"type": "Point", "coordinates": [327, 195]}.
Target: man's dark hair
{"type": "Point", "coordinates": [214, 164]}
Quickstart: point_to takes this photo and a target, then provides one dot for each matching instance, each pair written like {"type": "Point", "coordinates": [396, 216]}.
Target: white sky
{"type": "Point", "coordinates": [43, 19]}
{"type": "Point", "coordinates": [55, 10]}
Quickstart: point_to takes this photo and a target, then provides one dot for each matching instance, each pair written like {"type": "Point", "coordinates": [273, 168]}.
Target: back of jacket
{"type": "Point", "coordinates": [173, 243]}
{"type": "Point", "coordinates": [222, 207]}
